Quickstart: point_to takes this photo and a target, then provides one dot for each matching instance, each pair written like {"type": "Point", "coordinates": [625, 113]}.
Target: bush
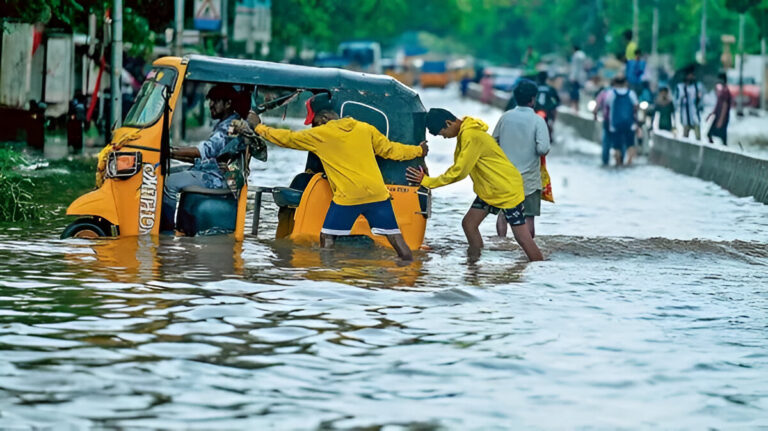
{"type": "Point", "coordinates": [17, 202]}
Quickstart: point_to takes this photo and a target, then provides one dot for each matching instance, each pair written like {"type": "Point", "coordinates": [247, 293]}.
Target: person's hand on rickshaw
{"type": "Point", "coordinates": [414, 175]}
{"type": "Point", "coordinates": [424, 148]}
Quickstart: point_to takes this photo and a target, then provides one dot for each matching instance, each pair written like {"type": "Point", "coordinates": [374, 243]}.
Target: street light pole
{"type": "Point", "coordinates": [117, 63]}
{"type": "Point", "coordinates": [177, 48]}
{"type": "Point", "coordinates": [635, 21]}
{"type": "Point", "coordinates": [655, 45]}
{"type": "Point", "coordinates": [740, 99]}
{"type": "Point", "coordinates": [703, 41]}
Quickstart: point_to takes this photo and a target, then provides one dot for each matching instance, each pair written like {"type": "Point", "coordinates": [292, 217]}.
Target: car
{"type": "Point", "coordinates": [751, 95]}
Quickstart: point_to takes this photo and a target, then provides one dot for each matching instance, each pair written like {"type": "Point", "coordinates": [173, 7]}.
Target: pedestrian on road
{"type": "Point", "coordinates": [635, 71]}
{"type": "Point", "coordinates": [665, 109]}
{"type": "Point", "coordinates": [688, 101]}
{"type": "Point", "coordinates": [630, 49]}
{"type": "Point", "coordinates": [622, 104]}
{"type": "Point", "coordinates": [577, 76]}
{"type": "Point", "coordinates": [524, 137]}
{"type": "Point", "coordinates": [602, 110]}
{"type": "Point", "coordinates": [497, 183]}
{"type": "Point", "coordinates": [487, 85]}
{"type": "Point", "coordinates": [547, 101]}
{"type": "Point", "coordinates": [722, 111]}
{"type": "Point", "coordinates": [348, 150]}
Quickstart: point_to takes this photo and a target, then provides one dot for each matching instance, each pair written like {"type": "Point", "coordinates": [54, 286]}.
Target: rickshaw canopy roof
{"type": "Point", "coordinates": [265, 73]}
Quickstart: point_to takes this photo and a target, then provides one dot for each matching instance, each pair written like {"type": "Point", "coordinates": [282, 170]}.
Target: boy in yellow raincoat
{"type": "Point", "coordinates": [497, 183]}
{"type": "Point", "coordinates": [348, 150]}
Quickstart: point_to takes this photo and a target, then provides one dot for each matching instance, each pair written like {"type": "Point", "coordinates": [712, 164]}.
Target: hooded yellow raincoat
{"type": "Point", "coordinates": [347, 148]}
{"type": "Point", "coordinates": [496, 180]}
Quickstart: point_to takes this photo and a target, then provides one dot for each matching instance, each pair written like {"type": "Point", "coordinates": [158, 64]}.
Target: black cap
{"type": "Point", "coordinates": [317, 103]}
{"type": "Point", "coordinates": [436, 118]}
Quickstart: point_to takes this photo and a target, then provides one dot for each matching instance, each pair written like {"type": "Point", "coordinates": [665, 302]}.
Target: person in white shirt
{"type": "Point", "coordinates": [688, 102]}
{"type": "Point", "coordinates": [524, 137]}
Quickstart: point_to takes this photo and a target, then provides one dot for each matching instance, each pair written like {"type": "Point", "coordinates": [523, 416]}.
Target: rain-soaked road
{"type": "Point", "coordinates": [650, 312]}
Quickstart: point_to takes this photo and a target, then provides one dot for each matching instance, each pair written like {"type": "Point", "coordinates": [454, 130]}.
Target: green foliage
{"type": "Point", "coordinates": [16, 198]}
{"type": "Point", "coordinates": [501, 30]}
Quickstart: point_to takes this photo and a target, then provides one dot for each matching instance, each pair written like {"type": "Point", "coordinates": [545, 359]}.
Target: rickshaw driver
{"type": "Point", "coordinates": [205, 171]}
{"type": "Point", "coordinates": [347, 149]}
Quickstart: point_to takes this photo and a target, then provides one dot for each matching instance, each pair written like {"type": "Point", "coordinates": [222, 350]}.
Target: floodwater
{"type": "Point", "coordinates": [650, 312]}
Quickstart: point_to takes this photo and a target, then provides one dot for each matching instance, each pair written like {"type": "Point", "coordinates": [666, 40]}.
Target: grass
{"type": "Point", "coordinates": [33, 192]}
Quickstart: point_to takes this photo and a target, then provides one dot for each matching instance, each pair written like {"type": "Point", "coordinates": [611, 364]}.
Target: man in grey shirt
{"type": "Point", "coordinates": [524, 137]}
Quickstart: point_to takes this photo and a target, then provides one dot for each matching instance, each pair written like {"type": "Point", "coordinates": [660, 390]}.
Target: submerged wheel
{"type": "Point", "coordinates": [85, 229]}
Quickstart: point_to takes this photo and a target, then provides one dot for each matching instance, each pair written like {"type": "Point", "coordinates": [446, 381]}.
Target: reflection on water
{"type": "Point", "coordinates": [648, 313]}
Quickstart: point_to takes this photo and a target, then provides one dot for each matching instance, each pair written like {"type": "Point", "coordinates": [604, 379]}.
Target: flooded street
{"type": "Point", "coordinates": [650, 312]}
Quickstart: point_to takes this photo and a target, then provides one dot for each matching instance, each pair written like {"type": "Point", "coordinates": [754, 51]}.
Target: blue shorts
{"type": "Point", "coordinates": [380, 216]}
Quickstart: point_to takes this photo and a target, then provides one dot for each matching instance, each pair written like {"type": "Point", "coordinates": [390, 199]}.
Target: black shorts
{"type": "Point", "coordinates": [515, 216]}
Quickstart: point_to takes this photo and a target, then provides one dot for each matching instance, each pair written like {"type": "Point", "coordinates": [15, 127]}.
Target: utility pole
{"type": "Point", "coordinates": [635, 21]}
{"type": "Point", "coordinates": [740, 98]}
{"type": "Point", "coordinates": [177, 51]}
{"type": "Point", "coordinates": [117, 63]}
{"type": "Point", "coordinates": [655, 45]}
{"type": "Point", "coordinates": [224, 17]}
{"type": "Point", "coordinates": [703, 41]}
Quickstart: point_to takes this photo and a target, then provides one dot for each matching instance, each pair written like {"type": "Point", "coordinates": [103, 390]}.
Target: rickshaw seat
{"type": "Point", "coordinates": [206, 191]}
{"type": "Point", "coordinates": [287, 197]}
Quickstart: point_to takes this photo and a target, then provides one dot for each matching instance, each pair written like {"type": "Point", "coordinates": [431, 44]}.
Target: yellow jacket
{"type": "Point", "coordinates": [347, 148]}
{"type": "Point", "coordinates": [496, 180]}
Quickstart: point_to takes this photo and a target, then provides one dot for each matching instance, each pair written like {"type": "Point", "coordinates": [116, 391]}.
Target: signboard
{"type": "Point", "coordinates": [207, 15]}
{"type": "Point", "coordinates": [253, 21]}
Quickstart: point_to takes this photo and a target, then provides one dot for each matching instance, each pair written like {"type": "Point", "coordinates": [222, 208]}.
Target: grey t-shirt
{"type": "Point", "coordinates": [524, 137]}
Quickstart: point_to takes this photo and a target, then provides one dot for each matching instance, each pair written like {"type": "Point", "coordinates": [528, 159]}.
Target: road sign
{"type": "Point", "coordinates": [253, 21]}
{"type": "Point", "coordinates": [207, 15]}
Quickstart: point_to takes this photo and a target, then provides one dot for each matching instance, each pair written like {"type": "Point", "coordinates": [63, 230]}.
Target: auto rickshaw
{"type": "Point", "coordinates": [137, 160]}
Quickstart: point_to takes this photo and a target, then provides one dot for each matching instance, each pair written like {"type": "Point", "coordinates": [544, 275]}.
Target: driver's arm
{"type": "Point", "coordinates": [185, 154]}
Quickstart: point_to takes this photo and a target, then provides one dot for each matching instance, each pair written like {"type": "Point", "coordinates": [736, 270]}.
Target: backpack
{"type": "Point", "coordinates": [544, 100]}
{"type": "Point", "coordinates": [622, 112]}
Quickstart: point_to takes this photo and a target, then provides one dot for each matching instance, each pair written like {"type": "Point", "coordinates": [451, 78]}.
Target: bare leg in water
{"type": "Point", "coordinates": [397, 241]}
{"type": "Point", "coordinates": [501, 225]}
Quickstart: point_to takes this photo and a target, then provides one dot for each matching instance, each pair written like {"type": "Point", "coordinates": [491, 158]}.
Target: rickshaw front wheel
{"type": "Point", "coordinates": [84, 229]}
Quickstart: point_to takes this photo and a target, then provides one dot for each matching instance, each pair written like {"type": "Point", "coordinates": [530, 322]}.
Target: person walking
{"type": "Point", "coordinates": [547, 101]}
{"type": "Point", "coordinates": [622, 106]}
{"type": "Point", "coordinates": [722, 111]}
{"type": "Point", "coordinates": [688, 101]}
{"type": "Point", "coordinates": [497, 183]}
{"type": "Point", "coordinates": [524, 137]}
{"type": "Point", "coordinates": [665, 108]}
{"type": "Point", "coordinates": [602, 111]}
{"type": "Point", "coordinates": [577, 76]}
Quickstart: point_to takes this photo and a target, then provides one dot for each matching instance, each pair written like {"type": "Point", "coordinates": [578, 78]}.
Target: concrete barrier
{"type": "Point", "coordinates": [738, 173]}
{"type": "Point", "coordinates": [584, 125]}
{"type": "Point", "coordinates": [498, 100]}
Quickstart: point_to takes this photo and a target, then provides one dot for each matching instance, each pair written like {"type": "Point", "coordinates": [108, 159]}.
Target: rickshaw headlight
{"type": "Point", "coordinates": [123, 164]}
{"type": "Point", "coordinates": [591, 105]}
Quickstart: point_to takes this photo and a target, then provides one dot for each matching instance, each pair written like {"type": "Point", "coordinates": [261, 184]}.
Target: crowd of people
{"type": "Point", "coordinates": [628, 106]}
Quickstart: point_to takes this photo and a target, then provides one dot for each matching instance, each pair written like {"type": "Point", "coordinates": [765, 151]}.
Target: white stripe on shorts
{"type": "Point", "coordinates": [335, 232]}
{"type": "Point", "coordinates": [377, 231]}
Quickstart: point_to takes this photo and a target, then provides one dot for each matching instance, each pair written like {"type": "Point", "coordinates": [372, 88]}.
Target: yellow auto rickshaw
{"type": "Point", "coordinates": [137, 160]}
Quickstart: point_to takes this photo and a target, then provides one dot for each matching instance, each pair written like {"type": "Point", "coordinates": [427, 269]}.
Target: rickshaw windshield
{"type": "Point", "coordinates": [149, 103]}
